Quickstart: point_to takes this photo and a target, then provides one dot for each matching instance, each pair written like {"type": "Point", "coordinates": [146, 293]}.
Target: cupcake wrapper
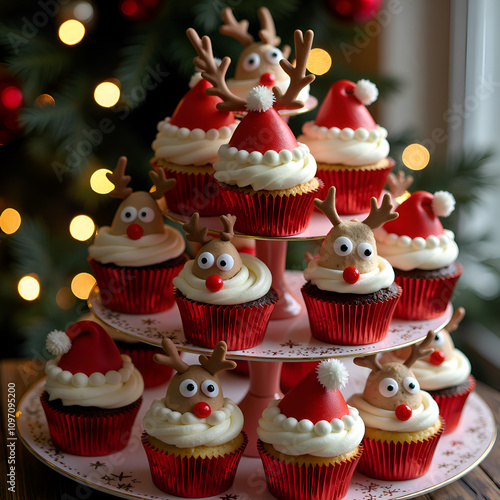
{"type": "Point", "coordinates": [354, 187]}
{"type": "Point", "coordinates": [297, 482]}
{"type": "Point", "coordinates": [398, 461]}
{"type": "Point", "coordinates": [135, 290]}
{"type": "Point", "coordinates": [240, 327]}
{"type": "Point", "coordinates": [425, 298]}
{"type": "Point", "coordinates": [192, 477]}
{"type": "Point", "coordinates": [90, 435]}
{"type": "Point", "coordinates": [291, 373]}
{"type": "Point", "coordinates": [349, 324]}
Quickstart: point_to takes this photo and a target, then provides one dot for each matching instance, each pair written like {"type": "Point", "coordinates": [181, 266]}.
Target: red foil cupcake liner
{"type": "Point", "coordinates": [298, 482]}
{"type": "Point", "coordinates": [398, 461]}
{"type": "Point", "coordinates": [291, 373]}
{"type": "Point", "coordinates": [136, 290]}
{"type": "Point", "coordinates": [192, 477]}
{"type": "Point", "coordinates": [355, 187]}
{"type": "Point", "coordinates": [350, 324]}
{"type": "Point", "coordinates": [90, 432]}
{"type": "Point", "coordinates": [240, 327]}
{"type": "Point", "coordinates": [425, 298]}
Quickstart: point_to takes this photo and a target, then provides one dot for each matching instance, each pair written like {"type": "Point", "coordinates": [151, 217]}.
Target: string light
{"type": "Point", "coordinates": [28, 287]}
{"type": "Point", "coordinates": [71, 32]}
{"type": "Point", "coordinates": [82, 227]}
{"type": "Point", "coordinates": [319, 62]}
{"type": "Point", "coordinates": [82, 285]}
{"type": "Point", "coordinates": [10, 220]}
{"type": "Point", "coordinates": [44, 100]}
{"type": "Point", "coordinates": [107, 94]}
{"type": "Point", "coordinates": [65, 298]}
{"type": "Point", "coordinates": [99, 183]}
{"type": "Point", "coordinates": [416, 157]}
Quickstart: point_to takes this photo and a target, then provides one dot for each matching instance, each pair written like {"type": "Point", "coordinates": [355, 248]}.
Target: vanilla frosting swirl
{"type": "Point", "coordinates": [183, 146]}
{"type": "Point", "coordinates": [113, 389]}
{"type": "Point", "coordinates": [242, 88]}
{"type": "Point", "coordinates": [148, 250]}
{"type": "Point", "coordinates": [332, 280]}
{"type": "Point", "coordinates": [405, 253]}
{"type": "Point", "coordinates": [252, 282]}
{"type": "Point", "coordinates": [345, 146]}
{"type": "Point", "coordinates": [269, 171]}
{"type": "Point", "coordinates": [185, 430]}
{"type": "Point", "coordinates": [323, 439]}
{"type": "Point", "coordinates": [423, 417]}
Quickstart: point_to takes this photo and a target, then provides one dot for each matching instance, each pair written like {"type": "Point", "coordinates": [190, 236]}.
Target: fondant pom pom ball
{"type": "Point", "coordinates": [443, 203]}
{"type": "Point", "coordinates": [58, 342]}
{"type": "Point", "coordinates": [366, 92]}
{"type": "Point", "coordinates": [332, 374]}
{"type": "Point", "coordinates": [260, 99]}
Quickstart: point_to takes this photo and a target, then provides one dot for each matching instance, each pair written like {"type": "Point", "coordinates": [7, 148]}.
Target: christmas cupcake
{"type": "Point", "coordinates": [422, 253]}
{"type": "Point", "coordinates": [186, 146]}
{"type": "Point", "coordinates": [92, 393]}
{"type": "Point", "coordinates": [135, 260]}
{"type": "Point", "coordinates": [222, 294]}
{"type": "Point", "coordinates": [350, 148]}
{"type": "Point", "coordinates": [194, 439]}
{"type": "Point", "coordinates": [266, 176]}
{"type": "Point", "coordinates": [350, 294]}
{"type": "Point", "coordinates": [309, 441]}
{"type": "Point", "coordinates": [403, 425]}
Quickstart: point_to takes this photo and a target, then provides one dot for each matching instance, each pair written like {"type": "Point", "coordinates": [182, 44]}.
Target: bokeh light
{"type": "Point", "coordinates": [319, 62]}
{"type": "Point", "coordinates": [416, 157]}
{"type": "Point", "coordinates": [403, 197]}
{"type": "Point", "coordinates": [28, 288]}
{"type": "Point", "coordinates": [82, 284]}
{"type": "Point", "coordinates": [44, 100]}
{"type": "Point", "coordinates": [84, 12]}
{"type": "Point", "coordinates": [65, 298]}
{"type": "Point", "coordinates": [11, 97]}
{"type": "Point", "coordinates": [10, 220]}
{"type": "Point", "coordinates": [99, 183]}
{"type": "Point", "coordinates": [82, 227]}
{"type": "Point", "coordinates": [71, 32]}
{"type": "Point", "coordinates": [107, 94]}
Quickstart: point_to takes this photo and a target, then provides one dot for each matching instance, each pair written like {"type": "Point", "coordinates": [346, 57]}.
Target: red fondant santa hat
{"type": "Point", "coordinates": [317, 396]}
{"type": "Point", "coordinates": [85, 348]}
{"type": "Point", "coordinates": [345, 105]}
{"type": "Point", "coordinates": [262, 129]}
{"type": "Point", "coordinates": [419, 214]}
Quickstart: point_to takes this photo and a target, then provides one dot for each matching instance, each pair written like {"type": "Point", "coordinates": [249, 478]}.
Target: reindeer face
{"type": "Point", "coordinates": [218, 258]}
{"type": "Point", "coordinates": [443, 348]}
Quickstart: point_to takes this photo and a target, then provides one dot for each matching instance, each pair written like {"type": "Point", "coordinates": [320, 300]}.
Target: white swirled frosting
{"type": "Point", "coordinates": [405, 253]}
{"type": "Point", "coordinates": [113, 389]}
{"type": "Point", "coordinates": [183, 146]}
{"type": "Point", "coordinates": [146, 251]}
{"type": "Point", "coordinates": [323, 439]}
{"type": "Point", "coordinates": [345, 146]}
{"type": "Point", "coordinates": [332, 280]}
{"type": "Point", "coordinates": [423, 417]}
{"type": "Point", "coordinates": [185, 430]}
{"type": "Point", "coordinates": [252, 282]}
{"type": "Point", "coordinates": [269, 171]}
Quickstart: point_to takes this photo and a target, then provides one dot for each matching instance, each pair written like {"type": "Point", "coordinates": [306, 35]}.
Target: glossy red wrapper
{"type": "Point", "coordinates": [192, 477]}
{"type": "Point", "coordinates": [240, 327]}
{"type": "Point", "coordinates": [349, 324]}
{"type": "Point", "coordinates": [398, 461]}
{"type": "Point", "coordinates": [136, 290]}
{"type": "Point", "coordinates": [299, 482]}
{"type": "Point", "coordinates": [291, 373]}
{"type": "Point", "coordinates": [90, 432]}
{"type": "Point", "coordinates": [425, 298]}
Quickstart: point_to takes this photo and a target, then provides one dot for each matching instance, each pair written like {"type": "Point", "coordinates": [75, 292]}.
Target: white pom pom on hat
{"type": "Point", "coordinates": [366, 92]}
{"type": "Point", "coordinates": [58, 342]}
{"type": "Point", "coordinates": [260, 98]}
{"type": "Point", "coordinates": [443, 203]}
{"type": "Point", "coordinates": [332, 374]}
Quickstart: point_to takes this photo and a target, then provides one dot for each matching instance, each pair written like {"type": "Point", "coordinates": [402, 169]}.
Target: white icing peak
{"type": "Point", "coordinates": [260, 98]}
{"type": "Point", "coordinates": [346, 134]}
{"type": "Point", "coordinates": [443, 203]}
{"type": "Point", "coordinates": [270, 158]}
{"type": "Point", "coordinates": [197, 134]}
{"type": "Point", "coordinates": [58, 342]}
{"type": "Point", "coordinates": [366, 92]}
{"type": "Point", "coordinates": [332, 374]}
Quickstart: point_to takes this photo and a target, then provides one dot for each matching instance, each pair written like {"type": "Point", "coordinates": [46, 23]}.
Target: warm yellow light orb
{"type": "Point", "coordinates": [100, 183]}
{"type": "Point", "coordinates": [107, 94]}
{"type": "Point", "coordinates": [319, 62]}
{"type": "Point", "coordinates": [10, 220]}
{"type": "Point", "coordinates": [82, 227]}
{"type": "Point", "coordinates": [416, 157]}
{"type": "Point", "coordinates": [28, 288]}
{"type": "Point", "coordinates": [71, 32]}
{"type": "Point", "coordinates": [82, 285]}
{"type": "Point", "coordinates": [44, 100]}
{"type": "Point", "coordinates": [402, 198]}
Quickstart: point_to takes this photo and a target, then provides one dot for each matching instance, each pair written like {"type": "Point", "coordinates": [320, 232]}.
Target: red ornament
{"type": "Point", "coordinates": [267, 79]}
{"type": "Point", "coordinates": [134, 231]}
{"type": "Point", "coordinates": [11, 100]}
{"type": "Point", "coordinates": [355, 11]}
{"type": "Point", "coordinates": [214, 283]}
{"type": "Point", "coordinates": [202, 409]}
{"type": "Point", "coordinates": [404, 412]}
{"type": "Point", "coordinates": [436, 358]}
{"type": "Point", "coordinates": [350, 275]}
{"type": "Point", "coordinates": [139, 10]}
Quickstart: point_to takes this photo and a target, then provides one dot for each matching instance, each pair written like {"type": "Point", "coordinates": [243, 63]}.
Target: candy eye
{"type": "Point", "coordinates": [365, 251]}
{"type": "Point", "coordinates": [438, 340]}
{"type": "Point", "coordinates": [342, 246]}
{"type": "Point", "coordinates": [210, 388]}
{"type": "Point", "coordinates": [146, 214]}
{"type": "Point", "coordinates": [411, 385]}
{"type": "Point", "coordinates": [188, 388]}
{"type": "Point", "coordinates": [206, 260]}
{"type": "Point", "coordinates": [225, 262]}
{"type": "Point", "coordinates": [128, 214]}
{"type": "Point", "coordinates": [251, 61]}
{"type": "Point", "coordinates": [274, 56]}
{"type": "Point", "coordinates": [388, 387]}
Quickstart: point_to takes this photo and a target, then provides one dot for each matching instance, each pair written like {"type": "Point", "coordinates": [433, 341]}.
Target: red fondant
{"type": "Point", "coordinates": [134, 231]}
{"type": "Point", "coordinates": [263, 131]}
{"type": "Point", "coordinates": [214, 283]}
{"type": "Point", "coordinates": [342, 109]}
{"type": "Point", "coordinates": [202, 409]}
{"type": "Point", "coordinates": [267, 79]}
{"type": "Point", "coordinates": [92, 350]}
{"type": "Point", "coordinates": [198, 110]}
{"type": "Point", "coordinates": [350, 275]}
{"type": "Point", "coordinates": [404, 412]}
{"type": "Point", "coordinates": [309, 399]}
{"type": "Point", "coordinates": [436, 358]}
{"type": "Point", "coordinates": [416, 217]}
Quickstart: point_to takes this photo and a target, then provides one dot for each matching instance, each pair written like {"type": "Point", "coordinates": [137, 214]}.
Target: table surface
{"type": "Point", "coordinates": [35, 480]}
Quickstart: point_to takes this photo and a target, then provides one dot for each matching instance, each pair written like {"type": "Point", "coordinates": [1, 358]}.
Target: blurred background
{"type": "Point", "coordinates": [83, 82]}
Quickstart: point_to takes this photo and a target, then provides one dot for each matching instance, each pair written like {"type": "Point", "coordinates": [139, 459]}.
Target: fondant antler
{"type": "Point", "coordinates": [161, 182]}
{"type": "Point", "coordinates": [171, 357]}
{"type": "Point", "coordinates": [455, 320]}
{"type": "Point", "coordinates": [120, 180]}
{"type": "Point", "coordinates": [380, 215]}
{"type": "Point", "coordinates": [370, 362]}
{"type": "Point", "coordinates": [228, 233]}
{"type": "Point", "coordinates": [194, 232]}
{"type": "Point", "coordinates": [235, 29]}
{"type": "Point", "coordinates": [217, 362]}
{"type": "Point", "coordinates": [420, 350]}
{"type": "Point", "coordinates": [268, 31]}
{"type": "Point", "coordinates": [399, 184]}
{"type": "Point", "coordinates": [328, 207]}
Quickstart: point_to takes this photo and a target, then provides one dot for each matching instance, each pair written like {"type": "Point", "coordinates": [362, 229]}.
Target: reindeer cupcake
{"type": "Point", "coordinates": [402, 422]}
{"type": "Point", "coordinates": [194, 439]}
{"type": "Point", "coordinates": [221, 294]}
{"type": "Point", "coordinates": [136, 258]}
{"type": "Point", "coordinates": [350, 293]}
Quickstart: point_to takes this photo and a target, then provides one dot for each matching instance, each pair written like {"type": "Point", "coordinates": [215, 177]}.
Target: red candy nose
{"type": "Point", "coordinates": [267, 79]}
{"type": "Point", "coordinates": [436, 358]}
{"type": "Point", "coordinates": [202, 409]}
{"type": "Point", "coordinates": [214, 283]}
{"type": "Point", "coordinates": [403, 412]}
{"type": "Point", "coordinates": [134, 231]}
{"type": "Point", "coordinates": [350, 275]}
